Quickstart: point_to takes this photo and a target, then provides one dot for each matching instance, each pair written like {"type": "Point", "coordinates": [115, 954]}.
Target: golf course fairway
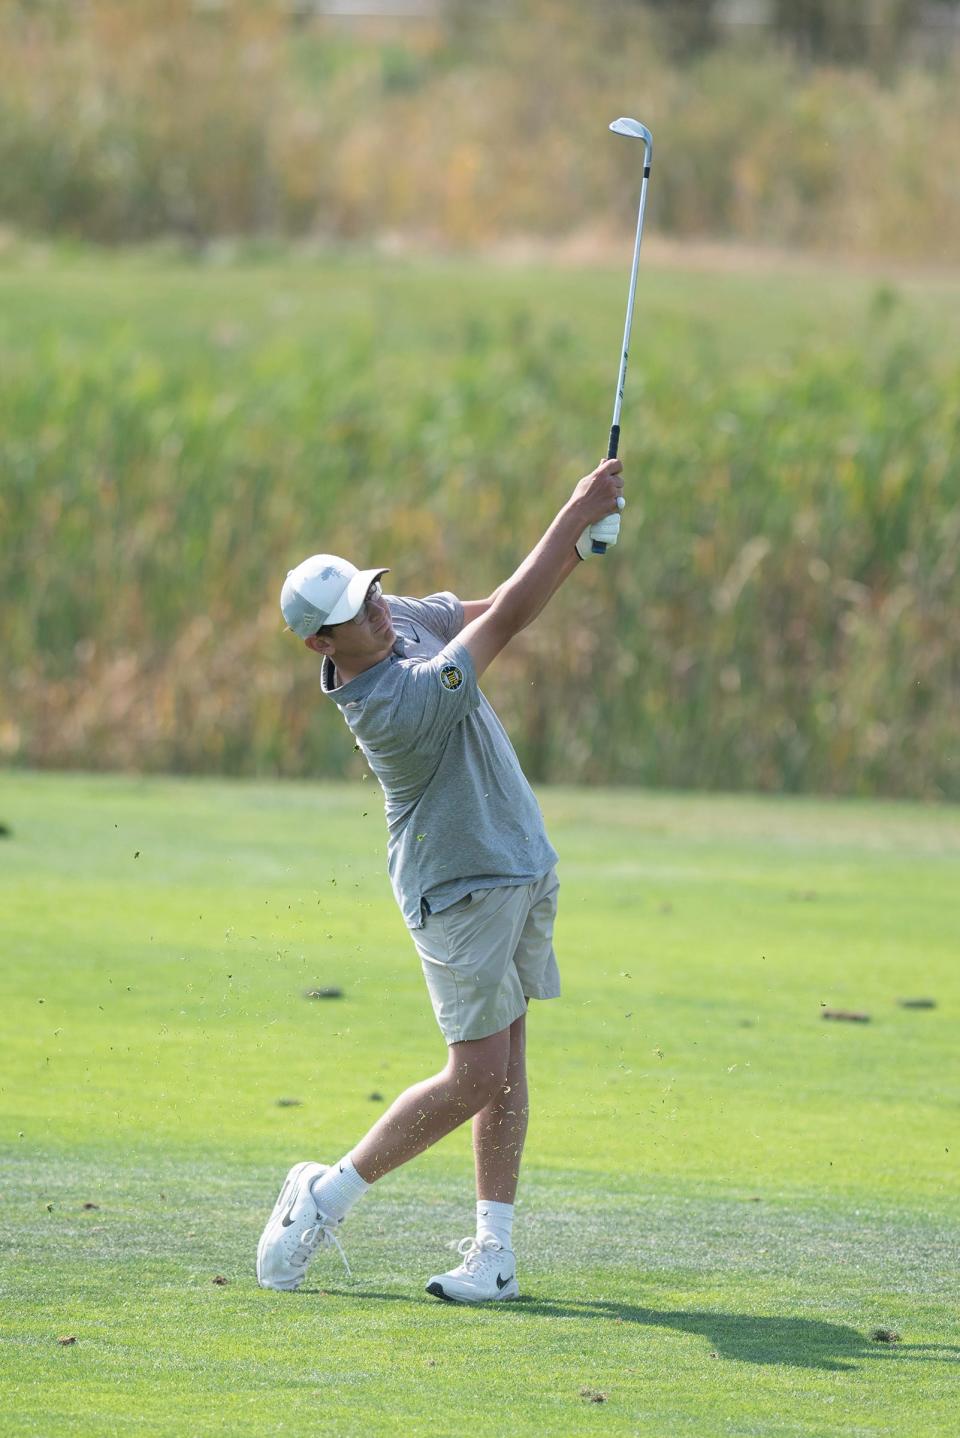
{"type": "Point", "coordinates": [737, 1214]}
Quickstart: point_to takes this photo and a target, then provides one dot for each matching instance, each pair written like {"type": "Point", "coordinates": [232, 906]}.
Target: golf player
{"type": "Point", "coordinates": [471, 867]}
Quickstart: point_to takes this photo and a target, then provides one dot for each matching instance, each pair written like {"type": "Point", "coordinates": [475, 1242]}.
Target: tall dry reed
{"type": "Point", "coordinates": [121, 121]}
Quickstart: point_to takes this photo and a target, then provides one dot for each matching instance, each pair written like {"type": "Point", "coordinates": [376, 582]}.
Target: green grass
{"type": "Point", "coordinates": [723, 1194]}
{"type": "Point", "coordinates": [228, 307]}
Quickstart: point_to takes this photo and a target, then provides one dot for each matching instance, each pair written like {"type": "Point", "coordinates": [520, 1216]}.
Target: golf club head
{"type": "Point", "coordinates": [633, 130]}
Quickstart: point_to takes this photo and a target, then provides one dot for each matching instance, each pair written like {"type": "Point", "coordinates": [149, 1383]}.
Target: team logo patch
{"type": "Point", "coordinates": [451, 677]}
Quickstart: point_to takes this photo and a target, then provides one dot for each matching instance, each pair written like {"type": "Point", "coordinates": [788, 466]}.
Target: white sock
{"type": "Point", "coordinates": [337, 1190]}
{"type": "Point", "coordinates": [495, 1220]}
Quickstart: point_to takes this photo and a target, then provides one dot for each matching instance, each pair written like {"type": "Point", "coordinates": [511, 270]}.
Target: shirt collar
{"type": "Point", "coordinates": [363, 684]}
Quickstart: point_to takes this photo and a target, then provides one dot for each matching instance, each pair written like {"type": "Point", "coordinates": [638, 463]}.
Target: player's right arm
{"type": "Point", "coordinates": [520, 599]}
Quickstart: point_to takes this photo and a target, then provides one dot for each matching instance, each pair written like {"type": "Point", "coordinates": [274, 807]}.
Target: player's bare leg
{"type": "Point", "coordinates": [487, 1271]}
{"type": "Point", "coordinates": [476, 1072]}
{"type": "Point", "coordinates": [500, 1127]}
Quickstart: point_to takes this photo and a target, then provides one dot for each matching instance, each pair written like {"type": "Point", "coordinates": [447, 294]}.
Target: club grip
{"type": "Point", "coordinates": [598, 546]}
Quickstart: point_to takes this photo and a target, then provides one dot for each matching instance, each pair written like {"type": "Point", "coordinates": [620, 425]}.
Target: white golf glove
{"type": "Point", "coordinates": [607, 532]}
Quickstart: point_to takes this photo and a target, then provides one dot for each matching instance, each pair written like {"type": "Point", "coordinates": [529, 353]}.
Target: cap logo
{"type": "Point", "coordinates": [331, 572]}
{"type": "Point", "coordinates": [451, 677]}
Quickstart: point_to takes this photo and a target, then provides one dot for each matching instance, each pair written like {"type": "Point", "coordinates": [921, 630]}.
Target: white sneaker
{"type": "Point", "coordinates": [294, 1231]}
{"type": "Point", "coordinates": [488, 1272]}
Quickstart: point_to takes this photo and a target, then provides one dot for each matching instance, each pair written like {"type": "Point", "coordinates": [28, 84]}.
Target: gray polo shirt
{"type": "Point", "coordinates": [460, 814]}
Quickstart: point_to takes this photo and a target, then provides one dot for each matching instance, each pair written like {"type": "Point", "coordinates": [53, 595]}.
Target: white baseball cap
{"type": "Point", "coordinates": [324, 589]}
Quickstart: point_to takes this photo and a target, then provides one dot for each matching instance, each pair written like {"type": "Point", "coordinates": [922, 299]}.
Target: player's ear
{"type": "Point", "coordinates": [320, 644]}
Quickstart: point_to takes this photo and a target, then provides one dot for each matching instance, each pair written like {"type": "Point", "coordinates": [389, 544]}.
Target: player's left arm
{"type": "Point", "coordinates": [474, 608]}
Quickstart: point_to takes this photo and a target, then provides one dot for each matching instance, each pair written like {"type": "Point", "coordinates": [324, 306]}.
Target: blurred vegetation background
{"type": "Point", "coordinates": [830, 124]}
{"type": "Point", "coordinates": [274, 279]}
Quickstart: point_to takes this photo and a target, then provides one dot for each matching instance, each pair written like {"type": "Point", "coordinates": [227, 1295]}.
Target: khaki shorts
{"type": "Point", "coordinates": [487, 954]}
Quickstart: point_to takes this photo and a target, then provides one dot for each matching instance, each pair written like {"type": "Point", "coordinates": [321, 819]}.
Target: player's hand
{"type": "Point", "coordinates": [602, 494]}
{"type": "Point", "coordinates": [599, 493]}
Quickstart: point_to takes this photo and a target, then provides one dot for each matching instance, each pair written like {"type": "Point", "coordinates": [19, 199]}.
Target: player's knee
{"type": "Point", "coordinates": [478, 1069]}
{"type": "Point", "coordinates": [476, 1085]}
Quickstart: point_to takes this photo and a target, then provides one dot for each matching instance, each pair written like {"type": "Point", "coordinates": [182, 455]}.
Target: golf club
{"type": "Point", "coordinates": [607, 530]}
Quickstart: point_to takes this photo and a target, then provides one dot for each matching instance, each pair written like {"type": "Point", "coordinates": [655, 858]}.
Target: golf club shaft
{"type": "Point", "coordinates": [598, 545]}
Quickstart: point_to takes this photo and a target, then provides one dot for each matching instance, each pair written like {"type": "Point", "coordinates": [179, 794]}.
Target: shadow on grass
{"type": "Point", "coordinates": [800, 1342]}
